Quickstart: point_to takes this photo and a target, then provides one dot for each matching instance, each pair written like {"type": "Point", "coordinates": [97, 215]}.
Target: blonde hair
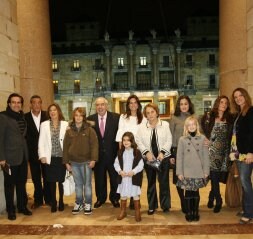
{"type": "Point", "coordinates": [186, 123]}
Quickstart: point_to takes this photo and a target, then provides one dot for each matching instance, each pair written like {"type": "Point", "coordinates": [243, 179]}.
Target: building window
{"type": "Point", "coordinates": [211, 61]}
{"type": "Point", "coordinates": [143, 81]}
{"type": "Point", "coordinates": [189, 82]}
{"type": "Point", "coordinates": [164, 107]}
{"type": "Point", "coordinates": [54, 66]}
{"type": "Point", "coordinates": [207, 105]}
{"type": "Point", "coordinates": [212, 81]}
{"type": "Point", "coordinates": [76, 66]}
{"type": "Point", "coordinates": [98, 64]}
{"type": "Point", "coordinates": [120, 62]}
{"type": "Point", "coordinates": [143, 61]}
{"type": "Point", "coordinates": [188, 60]}
{"type": "Point", "coordinates": [120, 81]}
{"type": "Point", "coordinates": [55, 83]}
{"type": "Point", "coordinates": [166, 61]}
{"type": "Point", "coordinates": [166, 79]}
{"type": "Point", "coordinates": [77, 86]}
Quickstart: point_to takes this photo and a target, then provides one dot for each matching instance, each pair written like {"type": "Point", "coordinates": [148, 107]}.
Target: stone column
{"type": "Point", "coordinates": [35, 50]}
{"type": "Point", "coordinates": [154, 48]}
{"type": "Point", "coordinates": [131, 49]}
{"type": "Point", "coordinates": [235, 25]}
{"type": "Point", "coordinates": [107, 46]}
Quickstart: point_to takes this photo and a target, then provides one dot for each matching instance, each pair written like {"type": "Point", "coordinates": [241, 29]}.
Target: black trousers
{"type": "Point", "coordinates": [41, 191]}
{"type": "Point", "coordinates": [17, 180]}
{"type": "Point", "coordinates": [164, 187]}
{"type": "Point", "coordinates": [215, 186]}
{"type": "Point", "coordinates": [101, 169]}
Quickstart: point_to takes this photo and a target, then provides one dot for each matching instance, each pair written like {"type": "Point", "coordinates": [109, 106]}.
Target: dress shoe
{"type": "Point", "coordinates": [36, 205]}
{"type": "Point", "coordinates": [25, 211]}
{"type": "Point", "coordinates": [116, 204]}
{"type": "Point", "coordinates": [61, 206]}
{"type": "Point", "coordinates": [151, 212]}
{"type": "Point", "coordinates": [12, 216]}
{"type": "Point", "coordinates": [166, 210]}
{"type": "Point", "coordinates": [97, 204]}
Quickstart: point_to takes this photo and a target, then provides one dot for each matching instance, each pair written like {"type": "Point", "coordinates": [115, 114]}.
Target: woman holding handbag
{"type": "Point", "coordinates": [242, 145]}
{"type": "Point", "coordinates": [217, 127]}
{"type": "Point", "coordinates": [154, 141]}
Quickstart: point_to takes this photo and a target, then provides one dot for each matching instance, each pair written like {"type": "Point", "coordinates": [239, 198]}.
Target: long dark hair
{"type": "Point", "coordinates": [191, 106]}
{"type": "Point", "coordinates": [133, 144]}
{"type": "Point", "coordinates": [139, 110]}
{"type": "Point", "coordinates": [60, 114]}
{"type": "Point", "coordinates": [248, 102]}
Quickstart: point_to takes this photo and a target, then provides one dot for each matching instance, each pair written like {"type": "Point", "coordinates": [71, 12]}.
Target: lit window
{"type": "Point", "coordinates": [120, 62]}
{"type": "Point", "coordinates": [143, 61]}
{"type": "Point", "coordinates": [76, 65]}
{"type": "Point", "coordinates": [55, 82]}
{"type": "Point", "coordinates": [54, 65]}
{"type": "Point", "coordinates": [77, 86]}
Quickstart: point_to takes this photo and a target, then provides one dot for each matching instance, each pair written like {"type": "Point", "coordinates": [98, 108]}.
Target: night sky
{"type": "Point", "coordinates": [119, 16]}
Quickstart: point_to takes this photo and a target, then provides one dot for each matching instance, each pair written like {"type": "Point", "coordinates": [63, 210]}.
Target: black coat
{"type": "Point", "coordinates": [108, 147]}
{"type": "Point", "coordinates": [244, 132]}
{"type": "Point", "coordinates": [13, 146]}
{"type": "Point", "coordinates": [32, 134]}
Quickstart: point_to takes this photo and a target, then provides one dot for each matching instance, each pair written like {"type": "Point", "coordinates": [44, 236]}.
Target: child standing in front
{"type": "Point", "coordinates": [192, 166]}
{"type": "Point", "coordinates": [129, 165]}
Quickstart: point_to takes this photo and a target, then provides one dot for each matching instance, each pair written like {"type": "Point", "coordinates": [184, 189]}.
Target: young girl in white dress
{"type": "Point", "coordinates": [129, 165]}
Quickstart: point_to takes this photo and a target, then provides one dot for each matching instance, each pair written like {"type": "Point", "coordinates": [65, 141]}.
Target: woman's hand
{"type": "Point", "coordinates": [43, 160]}
{"type": "Point", "coordinates": [149, 156]}
{"type": "Point", "coordinates": [206, 142]}
{"type": "Point", "coordinates": [160, 156]}
{"type": "Point", "coordinates": [206, 175]}
{"type": "Point", "coordinates": [172, 160]}
{"type": "Point", "coordinates": [92, 164]}
{"type": "Point", "coordinates": [123, 174]}
{"type": "Point", "coordinates": [131, 174]}
{"type": "Point", "coordinates": [249, 158]}
{"type": "Point", "coordinates": [180, 177]}
{"type": "Point", "coordinates": [2, 163]}
{"type": "Point", "coordinates": [68, 167]}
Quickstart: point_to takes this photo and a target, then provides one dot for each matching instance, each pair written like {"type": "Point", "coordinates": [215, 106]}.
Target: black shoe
{"type": "Point", "coordinates": [166, 210]}
{"type": "Point", "coordinates": [53, 209]}
{"type": "Point", "coordinates": [116, 204]}
{"type": "Point", "coordinates": [188, 217]}
{"type": "Point", "coordinates": [151, 212]}
{"type": "Point", "coordinates": [61, 206]}
{"type": "Point", "coordinates": [25, 211]}
{"type": "Point", "coordinates": [217, 208]}
{"type": "Point", "coordinates": [12, 216]}
{"type": "Point", "coordinates": [36, 205]}
{"type": "Point", "coordinates": [97, 204]}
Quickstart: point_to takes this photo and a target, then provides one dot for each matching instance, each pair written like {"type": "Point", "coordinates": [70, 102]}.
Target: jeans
{"type": "Point", "coordinates": [82, 175]}
{"type": "Point", "coordinates": [245, 171]}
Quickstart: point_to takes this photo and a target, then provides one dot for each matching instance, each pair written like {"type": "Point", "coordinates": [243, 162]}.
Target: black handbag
{"type": "Point", "coordinates": [155, 164]}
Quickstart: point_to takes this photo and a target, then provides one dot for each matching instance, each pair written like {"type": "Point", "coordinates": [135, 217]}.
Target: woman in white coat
{"type": "Point", "coordinates": [50, 150]}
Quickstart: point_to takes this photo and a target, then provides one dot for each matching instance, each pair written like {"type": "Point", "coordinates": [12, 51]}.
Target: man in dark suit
{"type": "Point", "coordinates": [106, 127]}
{"type": "Point", "coordinates": [13, 155]}
{"type": "Point", "coordinates": [34, 119]}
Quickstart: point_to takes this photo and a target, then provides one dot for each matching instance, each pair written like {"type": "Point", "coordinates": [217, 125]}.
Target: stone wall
{"type": "Point", "coordinates": [9, 62]}
{"type": "Point", "coordinates": [9, 50]}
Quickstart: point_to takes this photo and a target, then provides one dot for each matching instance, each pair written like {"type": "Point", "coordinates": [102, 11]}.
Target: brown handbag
{"type": "Point", "coordinates": [233, 192]}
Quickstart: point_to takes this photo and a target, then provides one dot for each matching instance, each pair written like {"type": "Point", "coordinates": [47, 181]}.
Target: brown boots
{"type": "Point", "coordinates": [137, 210]}
{"type": "Point", "coordinates": [123, 210]}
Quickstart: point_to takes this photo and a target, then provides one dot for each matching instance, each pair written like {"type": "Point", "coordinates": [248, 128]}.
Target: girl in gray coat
{"type": "Point", "coordinates": [192, 166]}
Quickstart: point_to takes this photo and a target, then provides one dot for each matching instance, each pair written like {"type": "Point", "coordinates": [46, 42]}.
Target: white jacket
{"type": "Point", "coordinates": [45, 145]}
{"type": "Point", "coordinates": [163, 138]}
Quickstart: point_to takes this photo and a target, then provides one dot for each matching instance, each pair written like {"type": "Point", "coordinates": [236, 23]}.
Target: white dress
{"type": "Point", "coordinates": [128, 125]}
{"type": "Point", "coordinates": [126, 188]}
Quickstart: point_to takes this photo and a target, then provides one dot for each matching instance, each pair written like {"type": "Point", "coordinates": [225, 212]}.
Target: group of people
{"type": "Point", "coordinates": [122, 146]}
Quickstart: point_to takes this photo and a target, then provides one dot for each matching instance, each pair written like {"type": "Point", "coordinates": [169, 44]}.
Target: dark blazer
{"type": "Point", "coordinates": [32, 135]}
{"type": "Point", "coordinates": [13, 147]}
{"type": "Point", "coordinates": [108, 147]}
{"type": "Point", "coordinates": [244, 132]}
